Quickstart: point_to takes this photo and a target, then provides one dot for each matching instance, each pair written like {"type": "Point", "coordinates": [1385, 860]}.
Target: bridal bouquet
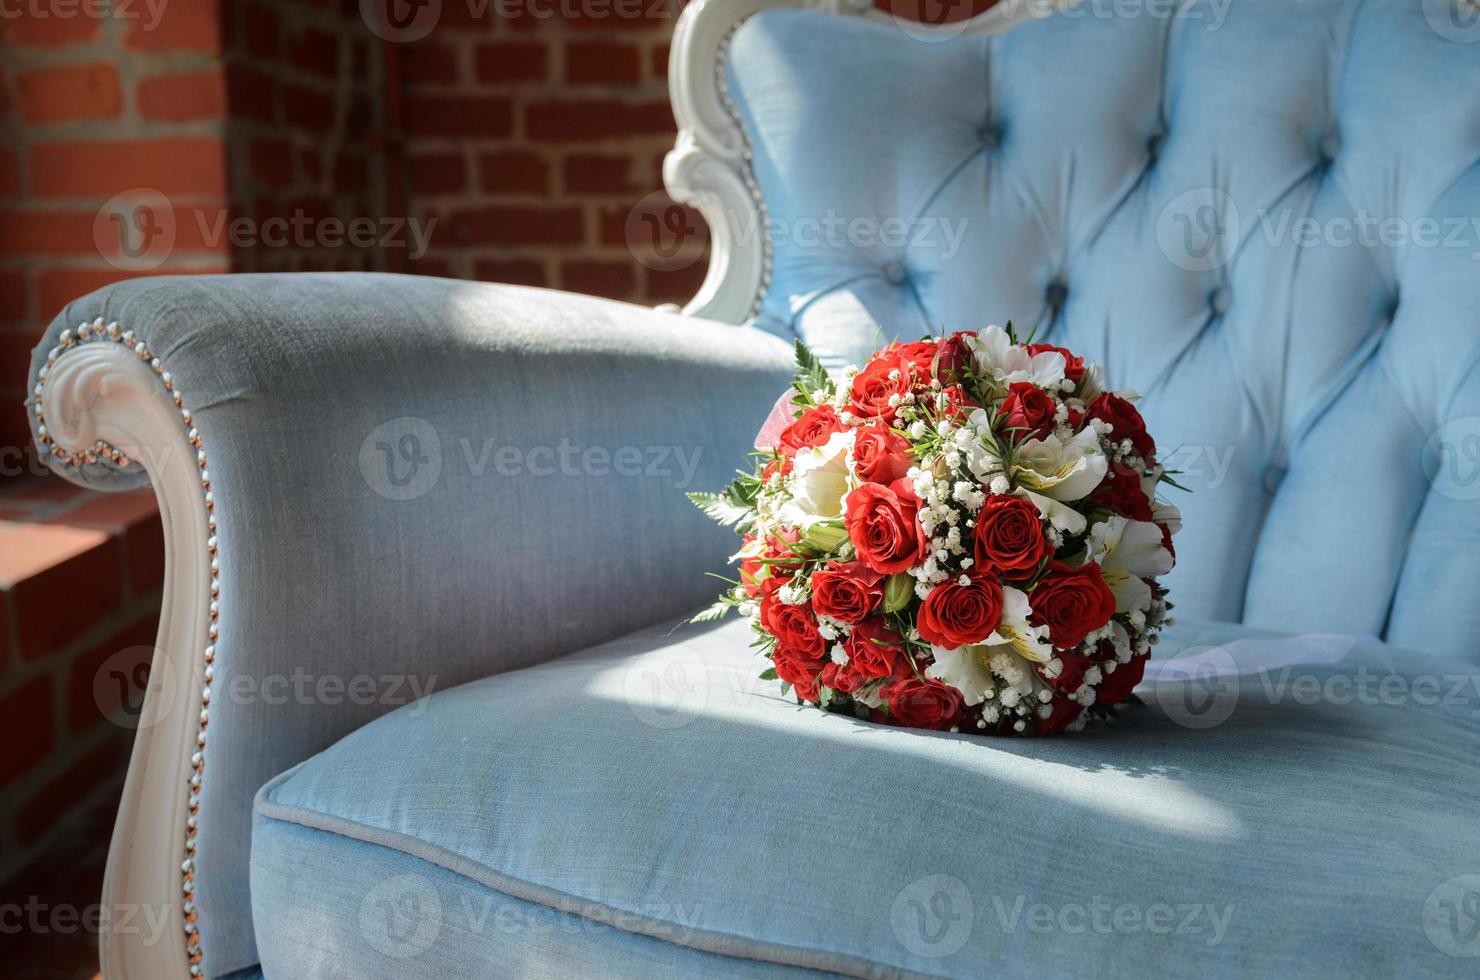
{"type": "Point", "coordinates": [964, 535]}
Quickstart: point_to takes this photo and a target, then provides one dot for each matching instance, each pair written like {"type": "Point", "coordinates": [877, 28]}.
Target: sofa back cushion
{"type": "Point", "coordinates": [1263, 215]}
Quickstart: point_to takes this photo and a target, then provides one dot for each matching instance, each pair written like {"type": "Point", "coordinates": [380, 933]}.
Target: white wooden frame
{"type": "Point", "coordinates": [105, 397]}
{"type": "Point", "coordinates": [709, 166]}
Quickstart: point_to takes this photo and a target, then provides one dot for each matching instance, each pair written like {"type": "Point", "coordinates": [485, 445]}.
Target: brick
{"type": "Point", "coordinates": [658, 61]}
{"type": "Point", "coordinates": [439, 173]}
{"type": "Point", "coordinates": [594, 173]}
{"type": "Point", "coordinates": [49, 95]}
{"type": "Point", "coordinates": [133, 516]}
{"type": "Point", "coordinates": [430, 63]}
{"type": "Point", "coordinates": [674, 285]}
{"type": "Point", "coordinates": [52, 568]}
{"type": "Point", "coordinates": [15, 364]}
{"type": "Point", "coordinates": [12, 296]}
{"type": "Point", "coordinates": [432, 266]}
{"type": "Point", "coordinates": [489, 117]}
{"type": "Point", "coordinates": [600, 62]}
{"type": "Point", "coordinates": [350, 170]}
{"type": "Point", "coordinates": [253, 94]}
{"type": "Point", "coordinates": [184, 97]}
{"type": "Point", "coordinates": [311, 163]}
{"type": "Point", "coordinates": [271, 162]}
{"type": "Point", "coordinates": [595, 119]}
{"type": "Point", "coordinates": [308, 109]}
{"type": "Point", "coordinates": [520, 272]}
{"type": "Point", "coordinates": [260, 31]}
{"type": "Point", "coordinates": [99, 772]}
{"type": "Point", "coordinates": [106, 683]}
{"type": "Point", "coordinates": [515, 226]}
{"type": "Point", "coordinates": [314, 51]}
{"type": "Point", "coordinates": [32, 232]}
{"type": "Point", "coordinates": [97, 169]}
{"type": "Point", "coordinates": [35, 27]}
{"type": "Point", "coordinates": [510, 61]}
{"type": "Point", "coordinates": [193, 26]}
{"type": "Point", "coordinates": [10, 172]}
{"type": "Point", "coordinates": [27, 728]}
{"type": "Point", "coordinates": [611, 279]}
{"type": "Point", "coordinates": [513, 172]}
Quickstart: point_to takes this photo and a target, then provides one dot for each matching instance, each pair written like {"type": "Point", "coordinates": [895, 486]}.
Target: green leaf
{"type": "Point", "coordinates": [719, 508]}
{"type": "Point", "coordinates": [811, 375]}
{"type": "Point", "coordinates": [769, 674]}
{"type": "Point", "coordinates": [716, 611]}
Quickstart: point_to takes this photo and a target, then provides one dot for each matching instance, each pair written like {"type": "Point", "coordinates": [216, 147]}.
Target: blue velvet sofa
{"type": "Point", "coordinates": [465, 502]}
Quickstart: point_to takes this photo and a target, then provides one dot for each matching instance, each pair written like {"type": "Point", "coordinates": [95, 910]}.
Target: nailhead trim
{"type": "Point", "coordinates": [95, 332]}
{"type": "Point", "coordinates": [747, 173]}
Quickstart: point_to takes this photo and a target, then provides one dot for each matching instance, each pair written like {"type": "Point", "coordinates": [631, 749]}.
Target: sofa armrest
{"type": "Point", "coordinates": [373, 487]}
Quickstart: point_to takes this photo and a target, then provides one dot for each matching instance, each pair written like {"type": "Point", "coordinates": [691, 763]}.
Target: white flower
{"type": "Point", "coordinates": [1129, 551]}
{"type": "Point", "coordinates": [820, 479]}
{"type": "Point", "coordinates": [996, 356]}
{"type": "Point", "coordinates": [1059, 515]}
{"type": "Point", "coordinates": [965, 669]}
{"type": "Point", "coordinates": [1015, 632]}
{"type": "Point", "coordinates": [1064, 471]}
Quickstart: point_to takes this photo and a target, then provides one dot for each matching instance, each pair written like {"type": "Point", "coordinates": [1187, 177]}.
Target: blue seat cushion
{"type": "Point", "coordinates": [1281, 805]}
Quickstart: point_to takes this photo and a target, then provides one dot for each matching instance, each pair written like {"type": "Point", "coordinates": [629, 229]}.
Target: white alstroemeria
{"type": "Point", "coordinates": [1057, 513]}
{"type": "Point", "coordinates": [1092, 385]}
{"type": "Point", "coordinates": [1168, 514]}
{"type": "Point", "coordinates": [996, 356]}
{"type": "Point", "coordinates": [819, 481]}
{"type": "Point", "coordinates": [981, 457]}
{"type": "Point", "coordinates": [1016, 633]}
{"type": "Point", "coordinates": [964, 668]}
{"type": "Point", "coordinates": [1063, 471]}
{"type": "Point", "coordinates": [1128, 551]}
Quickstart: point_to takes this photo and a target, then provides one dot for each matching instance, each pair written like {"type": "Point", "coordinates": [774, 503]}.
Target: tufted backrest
{"type": "Point", "coordinates": [1264, 215]}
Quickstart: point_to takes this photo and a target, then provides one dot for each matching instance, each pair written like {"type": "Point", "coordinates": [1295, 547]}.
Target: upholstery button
{"type": "Point", "coordinates": [1220, 299]}
{"type": "Point", "coordinates": [1056, 293]}
{"type": "Point", "coordinates": [895, 273]}
{"type": "Point", "coordinates": [1273, 477]}
{"type": "Point", "coordinates": [990, 136]}
{"type": "Point", "coordinates": [1330, 146]}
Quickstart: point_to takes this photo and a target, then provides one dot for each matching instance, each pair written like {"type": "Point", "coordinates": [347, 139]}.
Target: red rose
{"type": "Point", "coordinates": [954, 615]}
{"type": "Point", "coordinates": [1072, 674]}
{"type": "Point", "coordinates": [798, 670]}
{"type": "Point", "coordinates": [923, 703]}
{"type": "Point", "coordinates": [1125, 423]}
{"type": "Point", "coordinates": [1028, 410]}
{"type": "Point", "coordinates": [1166, 540]}
{"type": "Point", "coordinates": [958, 403]}
{"type": "Point", "coordinates": [954, 359]}
{"type": "Point", "coordinates": [1121, 492]}
{"type": "Point", "coordinates": [841, 677]}
{"type": "Point", "coordinates": [1009, 535]}
{"type": "Point", "coordinates": [872, 648]}
{"type": "Point", "coordinates": [880, 455]}
{"type": "Point", "coordinates": [920, 355]}
{"type": "Point", "coordinates": [1062, 712]}
{"type": "Point", "coordinates": [883, 524]}
{"type": "Point", "coordinates": [1073, 364]}
{"type": "Point", "coordinates": [1116, 687]}
{"type": "Point", "coordinates": [885, 377]}
{"type": "Point", "coordinates": [793, 626]}
{"type": "Point", "coordinates": [781, 464]}
{"type": "Point", "coordinates": [810, 429]}
{"type": "Point", "coordinates": [846, 592]}
{"type": "Point", "coordinates": [1071, 602]}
